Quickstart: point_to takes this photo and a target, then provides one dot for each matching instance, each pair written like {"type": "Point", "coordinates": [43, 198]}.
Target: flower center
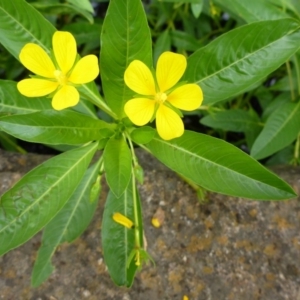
{"type": "Point", "coordinates": [160, 97]}
{"type": "Point", "coordinates": [60, 77]}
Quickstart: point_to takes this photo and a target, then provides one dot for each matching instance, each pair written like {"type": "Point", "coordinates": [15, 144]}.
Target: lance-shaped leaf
{"type": "Point", "coordinates": [53, 127]}
{"type": "Point", "coordinates": [67, 225]}
{"type": "Point", "coordinates": [220, 167]}
{"type": "Point", "coordinates": [28, 206]}
{"type": "Point", "coordinates": [12, 102]}
{"type": "Point", "coordinates": [253, 11]}
{"type": "Point", "coordinates": [117, 164]}
{"type": "Point", "coordinates": [235, 120]}
{"type": "Point", "coordinates": [118, 240]}
{"type": "Point", "coordinates": [281, 129]}
{"type": "Point", "coordinates": [238, 59]}
{"type": "Point", "coordinates": [125, 37]}
{"type": "Point", "coordinates": [22, 24]}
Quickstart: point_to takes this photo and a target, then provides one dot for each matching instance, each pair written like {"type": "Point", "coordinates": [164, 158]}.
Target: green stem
{"type": "Point", "coordinates": [297, 150]}
{"type": "Point", "coordinates": [135, 204]}
{"type": "Point", "coordinates": [289, 71]}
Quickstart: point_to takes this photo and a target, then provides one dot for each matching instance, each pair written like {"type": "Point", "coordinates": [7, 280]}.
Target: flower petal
{"type": "Point", "coordinates": [36, 87]}
{"type": "Point", "coordinates": [139, 78]}
{"type": "Point", "coordinates": [121, 219]}
{"type": "Point", "coordinates": [140, 110]}
{"type": "Point", "coordinates": [169, 125]}
{"type": "Point", "coordinates": [187, 97]}
{"type": "Point", "coordinates": [35, 59]}
{"type": "Point", "coordinates": [170, 68]}
{"type": "Point", "coordinates": [65, 50]}
{"type": "Point", "coordinates": [66, 97]}
{"type": "Point", "coordinates": [86, 70]}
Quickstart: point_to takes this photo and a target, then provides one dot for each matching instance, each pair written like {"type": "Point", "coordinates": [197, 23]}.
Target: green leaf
{"type": "Point", "coordinates": [220, 167]}
{"type": "Point", "coordinates": [281, 129]}
{"type": "Point", "coordinates": [21, 24]}
{"type": "Point", "coordinates": [67, 225]}
{"type": "Point", "coordinates": [56, 127]}
{"type": "Point", "coordinates": [235, 120]}
{"type": "Point", "coordinates": [240, 58]}
{"type": "Point", "coordinates": [142, 135]}
{"type": "Point", "coordinates": [33, 201]}
{"type": "Point", "coordinates": [125, 37]}
{"type": "Point", "coordinates": [197, 8]}
{"type": "Point", "coordinates": [117, 240]}
{"type": "Point", "coordinates": [163, 43]}
{"type": "Point", "coordinates": [82, 4]}
{"type": "Point", "coordinates": [117, 164]}
{"type": "Point", "coordinates": [184, 41]}
{"type": "Point", "coordinates": [62, 8]}
{"type": "Point", "coordinates": [252, 11]}
{"type": "Point", "coordinates": [11, 101]}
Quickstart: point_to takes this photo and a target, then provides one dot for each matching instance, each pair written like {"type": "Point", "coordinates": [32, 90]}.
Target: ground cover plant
{"type": "Point", "coordinates": [207, 87]}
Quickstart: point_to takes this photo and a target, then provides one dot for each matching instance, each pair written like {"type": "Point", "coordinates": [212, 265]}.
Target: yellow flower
{"type": "Point", "coordinates": [121, 219]}
{"type": "Point", "coordinates": [157, 97]}
{"type": "Point", "coordinates": [59, 75]}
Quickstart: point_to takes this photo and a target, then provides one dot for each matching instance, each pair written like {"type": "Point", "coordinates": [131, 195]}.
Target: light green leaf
{"type": "Point", "coordinates": [142, 135]}
{"type": "Point", "coordinates": [62, 8]}
{"type": "Point", "coordinates": [252, 11]}
{"type": "Point", "coordinates": [235, 120]}
{"type": "Point", "coordinates": [240, 58]}
{"type": "Point", "coordinates": [117, 240]}
{"type": "Point", "coordinates": [67, 225]}
{"type": "Point", "coordinates": [83, 4]}
{"type": "Point", "coordinates": [125, 37]}
{"type": "Point", "coordinates": [197, 8]}
{"type": "Point", "coordinates": [56, 127]}
{"type": "Point", "coordinates": [281, 129]}
{"type": "Point", "coordinates": [11, 101]}
{"type": "Point", "coordinates": [117, 165]}
{"type": "Point", "coordinates": [219, 166]}
{"type": "Point", "coordinates": [25, 209]}
{"type": "Point", "coordinates": [163, 43]}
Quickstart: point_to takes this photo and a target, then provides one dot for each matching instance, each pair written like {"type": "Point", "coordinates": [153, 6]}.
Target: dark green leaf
{"type": "Point", "coordinates": [67, 225]}
{"type": "Point", "coordinates": [281, 129]}
{"type": "Point", "coordinates": [117, 164]}
{"type": "Point", "coordinates": [240, 58]}
{"type": "Point", "coordinates": [56, 127]}
{"type": "Point", "coordinates": [33, 201]}
{"type": "Point", "coordinates": [117, 240]}
{"type": "Point", "coordinates": [125, 37]}
{"type": "Point", "coordinates": [220, 167]}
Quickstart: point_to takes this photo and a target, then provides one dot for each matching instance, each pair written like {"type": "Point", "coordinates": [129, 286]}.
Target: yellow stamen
{"type": "Point", "coordinates": [60, 77]}
{"type": "Point", "coordinates": [160, 97]}
{"type": "Point", "coordinates": [121, 219]}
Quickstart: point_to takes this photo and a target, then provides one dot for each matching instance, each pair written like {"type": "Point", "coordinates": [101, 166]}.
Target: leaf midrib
{"type": "Point", "coordinates": [244, 57]}
{"type": "Point", "coordinates": [49, 189]}
{"type": "Point", "coordinates": [213, 163]}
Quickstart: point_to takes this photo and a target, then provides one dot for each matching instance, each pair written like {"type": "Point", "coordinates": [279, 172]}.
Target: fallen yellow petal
{"type": "Point", "coordinates": [155, 222]}
{"type": "Point", "coordinates": [121, 219]}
